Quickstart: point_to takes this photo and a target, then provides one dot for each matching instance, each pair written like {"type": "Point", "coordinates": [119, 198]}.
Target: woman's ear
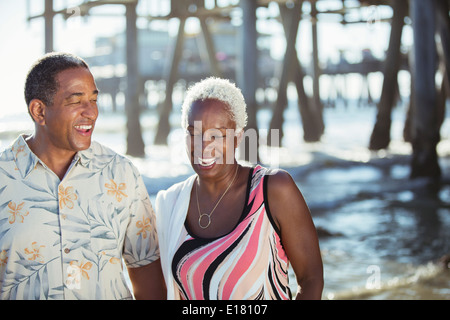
{"type": "Point", "coordinates": [37, 111]}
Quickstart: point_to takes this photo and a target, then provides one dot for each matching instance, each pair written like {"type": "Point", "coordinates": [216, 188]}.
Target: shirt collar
{"type": "Point", "coordinates": [84, 157]}
{"type": "Point", "coordinates": [27, 161]}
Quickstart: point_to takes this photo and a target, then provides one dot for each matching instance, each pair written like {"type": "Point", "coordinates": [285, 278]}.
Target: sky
{"type": "Point", "coordinates": [20, 46]}
{"type": "Point", "coordinates": [22, 42]}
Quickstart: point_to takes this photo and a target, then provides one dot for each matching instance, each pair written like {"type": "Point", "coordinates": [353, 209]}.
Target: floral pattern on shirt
{"type": "Point", "coordinates": [66, 239]}
{"type": "Point", "coordinates": [16, 212]}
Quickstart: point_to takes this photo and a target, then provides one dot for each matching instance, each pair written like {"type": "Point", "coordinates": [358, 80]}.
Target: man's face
{"type": "Point", "coordinates": [69, 122]}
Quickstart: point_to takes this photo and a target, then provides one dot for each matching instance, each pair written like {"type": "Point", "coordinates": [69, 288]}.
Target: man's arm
{"type": "Point", "coordinates": [148, 282]}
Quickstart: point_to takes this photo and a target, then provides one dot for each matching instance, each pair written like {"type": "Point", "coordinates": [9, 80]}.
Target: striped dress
{"type": "Point", "coordinates": [248, 263]}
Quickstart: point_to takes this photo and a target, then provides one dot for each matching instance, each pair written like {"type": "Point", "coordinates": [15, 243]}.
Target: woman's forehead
{"type": "Point", "coordinates": [212, 113]}
{"type": "Point", "coordinates": [210, 104]}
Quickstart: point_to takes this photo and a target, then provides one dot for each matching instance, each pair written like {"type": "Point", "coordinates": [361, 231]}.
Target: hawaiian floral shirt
{"type": "Point", "coordinates": [66, 239]}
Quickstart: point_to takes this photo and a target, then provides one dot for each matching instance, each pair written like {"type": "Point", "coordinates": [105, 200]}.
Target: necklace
{"type": "Point", "coordinates": [203, 215]}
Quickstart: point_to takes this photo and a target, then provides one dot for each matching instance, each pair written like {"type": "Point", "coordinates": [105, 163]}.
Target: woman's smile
{"type": "Point", "coordinates": [206, 162]}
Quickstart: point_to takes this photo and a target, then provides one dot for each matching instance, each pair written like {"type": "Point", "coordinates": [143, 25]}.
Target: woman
{"type": "Point", "coordinates": [230, 231]}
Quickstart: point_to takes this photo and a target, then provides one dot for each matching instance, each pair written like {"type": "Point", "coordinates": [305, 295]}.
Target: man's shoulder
{"type": "Point", "coordinates": [98, 148]}
{"type": "Point", "coordinates": [16, 147]}
{"type": "Point", "coordinates": [6, 154]}
{"type": "Point", "coordinates": [6, 158]}
{"type": "Point", "coordinates": [103, 154]}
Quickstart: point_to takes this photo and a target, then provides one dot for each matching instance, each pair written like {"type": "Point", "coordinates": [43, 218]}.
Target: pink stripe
{"type": "Point", "coordinates": [281, 254]}
{"type": "Point", "coordinates": [257, 196]}
{"type": "Point", "coordinates": [241, 276]}
{"type": "Point", "coordinates": [255, 188]}
{"type": "Point", "coordinates": [245, 261]}
{"type": "Point", "coordinates": [219, 246]}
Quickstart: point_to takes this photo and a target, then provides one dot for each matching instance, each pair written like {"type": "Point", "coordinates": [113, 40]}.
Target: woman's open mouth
{"type": "Point", "coordinates": [206, 162]}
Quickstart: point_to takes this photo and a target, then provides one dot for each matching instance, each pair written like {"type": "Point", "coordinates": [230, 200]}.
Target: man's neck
{"type": "Point", "coordinates": [57, 160]}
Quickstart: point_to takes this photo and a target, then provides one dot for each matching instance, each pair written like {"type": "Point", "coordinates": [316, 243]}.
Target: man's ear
{"type": "Point", "coordinates": [37, 111]}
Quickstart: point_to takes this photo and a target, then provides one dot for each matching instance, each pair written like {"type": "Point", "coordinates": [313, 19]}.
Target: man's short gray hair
{"type": "Point", "coordinates": [218, 89]}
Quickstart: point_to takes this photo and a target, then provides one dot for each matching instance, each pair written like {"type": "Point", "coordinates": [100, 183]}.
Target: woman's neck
{"type": "Point", "coordinates": [216, 186]}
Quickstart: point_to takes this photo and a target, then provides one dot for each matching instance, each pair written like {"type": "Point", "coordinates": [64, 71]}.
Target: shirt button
{"type": "Point", "coordinates": [66, 250]}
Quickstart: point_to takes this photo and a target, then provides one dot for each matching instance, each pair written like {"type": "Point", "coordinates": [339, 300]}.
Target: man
{"type": "Point", "coordinates": [70, 210]}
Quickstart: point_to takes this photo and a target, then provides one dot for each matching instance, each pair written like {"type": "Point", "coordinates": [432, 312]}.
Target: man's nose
{"type": "Point", "coordinates": [90, 110]}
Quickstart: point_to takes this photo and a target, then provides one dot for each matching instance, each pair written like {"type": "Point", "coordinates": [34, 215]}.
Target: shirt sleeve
{"type": "Point", "coordinates": [141, 241]}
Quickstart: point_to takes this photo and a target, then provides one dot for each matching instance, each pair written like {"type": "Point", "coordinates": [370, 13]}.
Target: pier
{"type": "Point", "coordinates": [229, 45]}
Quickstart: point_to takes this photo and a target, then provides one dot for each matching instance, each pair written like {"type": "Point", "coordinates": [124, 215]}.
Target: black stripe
{"type": "Point", "coordinates": [215, 264]}
{"type": "Point", "coordinates": [272, 284]}
{"type": "Point", "coordinates": [266, 205]}
{"type": "Point", "coordinates": [244, 213]}
{"type": "Point", "coordinates": [273, 267]}
{"type": "Point", "coordinates": [260, 295]}
{"type": "Point", "coordinates": [183, 250]}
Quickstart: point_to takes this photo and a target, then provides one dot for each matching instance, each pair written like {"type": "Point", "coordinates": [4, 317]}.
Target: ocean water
{"type": "Point", "coordinates": [381, 235]}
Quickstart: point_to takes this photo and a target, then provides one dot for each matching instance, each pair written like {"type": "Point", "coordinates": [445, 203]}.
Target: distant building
{"type": "Point", "coordinates": [108, 63]}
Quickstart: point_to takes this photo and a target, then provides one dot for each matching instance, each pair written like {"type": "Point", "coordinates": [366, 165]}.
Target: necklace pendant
{"type": "Point", "coordinates": [200, 219]}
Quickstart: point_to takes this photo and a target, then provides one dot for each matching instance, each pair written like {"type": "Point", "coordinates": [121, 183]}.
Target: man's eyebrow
{"type": "Point", "coordinates": [79, 94]}
{"type": "Point", "coordinates": [75, 94]}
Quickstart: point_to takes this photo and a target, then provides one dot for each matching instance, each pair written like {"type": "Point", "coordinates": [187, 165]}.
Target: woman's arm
{"type": "Point", "coordinates": [298, 233]}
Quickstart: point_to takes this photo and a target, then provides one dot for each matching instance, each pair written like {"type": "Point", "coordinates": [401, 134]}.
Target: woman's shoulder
{"type": "Point", "coordinates": [279, 179]}
{"type": "Point", "coordinates": [175, 189]}
{"type": "Point", "coordinates": [281, 188]}
{"type": "Point", "coordinates": [276, 183]}
{"type": "Point", "coordinates": [171, 204]}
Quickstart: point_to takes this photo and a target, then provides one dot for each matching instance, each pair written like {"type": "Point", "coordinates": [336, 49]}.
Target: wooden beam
{"type": "Point", "coordinates": [425, 128]}
{"type": "Point", "coordinates": [443, 29]}
{"type": "Point", "coordinates": [317, 103]}
{"type": "Point", "coordinates": [291, 19]}
{"type": "Point", "coordinates": [380, 137]}
{"type": "Point", "coordinates": [210, 49]}
{"type": "Point", "coordinates": [135, 142]}
{"type": "Point", "coordinates": [48, 18]}
{"type": "Point", "coordinates": [170, 78]}
{"type": "Point", "coordinates": [246, 72]}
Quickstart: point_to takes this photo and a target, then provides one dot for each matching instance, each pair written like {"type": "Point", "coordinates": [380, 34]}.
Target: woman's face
{"type": "Point", "coordinates": [211, 138]}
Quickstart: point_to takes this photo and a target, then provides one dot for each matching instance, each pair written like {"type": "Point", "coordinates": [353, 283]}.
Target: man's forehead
{"type": "Point", "coordinates": [75, 79]}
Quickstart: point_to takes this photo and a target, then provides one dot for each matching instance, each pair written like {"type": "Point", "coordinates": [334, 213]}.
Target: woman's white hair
{"type": "Point", "coordinates": [219, 89]}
